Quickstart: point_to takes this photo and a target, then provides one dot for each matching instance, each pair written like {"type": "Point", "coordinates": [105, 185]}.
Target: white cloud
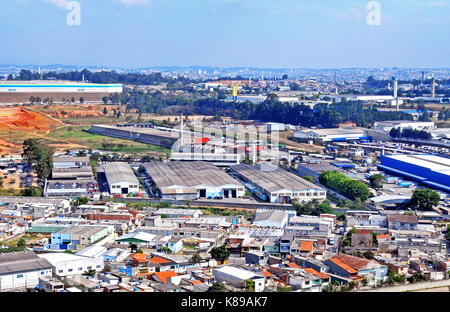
{"type": "Point", "coordinates": [59, 3]}
{"type": "Point", "coordinates": [136, 2]}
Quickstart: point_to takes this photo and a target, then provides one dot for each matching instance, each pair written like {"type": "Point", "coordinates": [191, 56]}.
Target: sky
{"type": "Point", "coordinates": [227, 33]}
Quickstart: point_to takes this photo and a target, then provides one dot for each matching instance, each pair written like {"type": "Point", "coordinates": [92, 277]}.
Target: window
{"type": "Point", "coordinates": [79, 269]}
{"type": "Point", "coordinates": [60, 271]}
{"type": "Point", "coordinates": [89, 268]}
{"type": "Point", "coordinates": [98, 266]}
{"type": "Point", "coordinates": [70, 270]}
{"type": "Point", "coordinates": [19, 275]}
{"type": "Point", "coordinates": [43, 272]}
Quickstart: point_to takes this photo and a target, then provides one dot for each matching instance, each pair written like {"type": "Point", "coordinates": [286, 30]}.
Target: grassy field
{"type": "Point", "coordinates": [76, 135]}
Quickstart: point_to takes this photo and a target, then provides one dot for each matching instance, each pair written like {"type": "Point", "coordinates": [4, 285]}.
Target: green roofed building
{"type": "Point", "coordinates": [139, 238]}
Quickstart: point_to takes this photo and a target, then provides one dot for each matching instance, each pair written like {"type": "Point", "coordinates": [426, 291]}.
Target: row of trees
{"type": "Point", "coordinates": [342, 184]}
{"type": "Point", "coordinates": [100, 77]}
{"type": "Point", "coordinates": [313, 207]}
{"type": "Point", "coordinates": [272, 109]}
{"type": "Point", "coordinates": [410, 133]}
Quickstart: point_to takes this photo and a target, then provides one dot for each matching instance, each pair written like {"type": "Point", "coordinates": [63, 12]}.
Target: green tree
{"type": "Point", "coordinates": [220, 253]}
{"type": "Point", "coordinates": [21, 243]}
{"type": "Point", "coordinates": [39, 157]}
{"type": "Point", "coordinates": [32, 191]}
{"type": "Point", "coordinates": [83, 200]}
{"type": "Point", "coordinates": [425, 199]}
{"type": "Point", "coordinates": [217, 287]}
{"type": "Point", "coordinates": [376, 181]}
{"type": "Point", "coordinates": [309, 178]}
{"type": "Point", "coordinates": [196, 258]}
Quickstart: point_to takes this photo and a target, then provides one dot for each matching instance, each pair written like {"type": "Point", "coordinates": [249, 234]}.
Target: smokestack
{"type": "Point", "coordinates": [433, 87]}
{"type": "Point", "coordinates": [395, 88]}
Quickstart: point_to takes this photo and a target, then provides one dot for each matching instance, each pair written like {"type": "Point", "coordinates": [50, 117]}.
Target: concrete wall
{"type": "Point", "coordinates": [412, 287]}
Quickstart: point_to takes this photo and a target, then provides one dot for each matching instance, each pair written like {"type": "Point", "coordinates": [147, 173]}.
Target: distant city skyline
{"type": "Point", "coordinates": [276, 34]}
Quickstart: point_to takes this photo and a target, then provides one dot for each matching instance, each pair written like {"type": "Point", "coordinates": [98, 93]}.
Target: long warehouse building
{"type": "Point", "coordinates": [192, 180]}
{"type": "Point", "coordinates": [277, 185]}
{"type": "Point", "coordinates": [143, 135]}
{"type": "Point", "coordinates": [19, 91]}
{"type": "Point", "coordinates": [430, 170]}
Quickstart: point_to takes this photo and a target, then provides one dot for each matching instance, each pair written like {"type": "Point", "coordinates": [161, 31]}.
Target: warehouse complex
{"type": "Point", "coordinates": [430, 170]}
{"type": "Point", "coordinates": [143, 135]}
{"type": "Point", "coordinates": [332, 135]}
{"type": "Point", "coordinates": [16, 91]}
{"type": "Point", "coordinates": [120, 178]}
{"type": "Point", "coordinates": [276, 185]}
{"type": "Point", "coordinates": [192, 180]}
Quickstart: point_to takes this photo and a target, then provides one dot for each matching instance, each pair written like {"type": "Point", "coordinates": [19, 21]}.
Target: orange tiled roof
{"type": "Point", "coordinates": [266, 273]}
{"type": "Point", "coordinates": [306, 246]}
{"type": "Point", "coordinates": [318, 274]}
{"type": "Point", "coordinates": [196, 282]}
{"type": "Point", "coordinates": [159, 260]}
{"type": "Point", "coordinates": [140, 257]}
{"type": "Point", "coordinates": [293, 265]}
{"type": "Point", "coordinates": [363, 232]}
{"type": "Point", "coordinates": [163, 276]}
{"type": "Point", "coordinates": [356, 263]}
{"type": "Point", "coordinates": [382, 236]}
{"type": "Point", "coordinates": [343, 265]}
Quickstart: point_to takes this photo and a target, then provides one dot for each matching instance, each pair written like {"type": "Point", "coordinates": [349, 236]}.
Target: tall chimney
{"type": "Point", "coordinates": [396, 93]}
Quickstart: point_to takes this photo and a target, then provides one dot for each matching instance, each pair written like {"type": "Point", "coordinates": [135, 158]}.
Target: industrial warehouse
{"type": "Point", "coordinates": [430, 170]}
{"type": "Point", "coordinates": [120, 178]}
{"type": "Point", "coordinates": [277, 185]}
{"type": "Point", "coordinates": [143, 135]}
{"type": "Point", "coordinates": [19, 91]}
{"type": "Point", "coordinates": [332, 135]}
{"type": "Point", "coordinates": [192, 180]}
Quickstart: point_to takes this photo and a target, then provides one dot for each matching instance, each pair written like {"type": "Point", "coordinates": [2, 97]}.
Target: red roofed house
{"type": "Point", "coordinates": [356, 267]}
{"type": "Point", "coordinates": [162, 277]}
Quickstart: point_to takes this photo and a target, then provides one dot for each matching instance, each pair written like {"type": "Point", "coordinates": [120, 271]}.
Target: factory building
{"type": "Point", "coordinates": [403, 124]}
{"type": "Point", "coordinates": [139, 134]}
{"type": "Point", "coordinates": [76, 237]}
{"type": "Point", "coordinates": [332, 135]}
{"type": "Point", "coordinates": [430, 170]}
{"type": "Point", "coordinates": [19, 91]}
{"type": "Point", "coordinates": [20, 270]}
{"type": "Point", "coordinates": [276, 185]}
{"type": "Point", "coordinates": [192, 180]}
{"type": "Point", "coordinates": [71, 176]}
{"type": "Point", "coordinates": [120, 178]}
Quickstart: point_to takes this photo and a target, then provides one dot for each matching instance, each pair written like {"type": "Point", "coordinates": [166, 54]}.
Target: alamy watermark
{"type": "Point", "coordinates": [232, 142]}
{"type": "Point", "coordinates": [374, 15]}
{"type": "Point", "coordinates": [74, 16]}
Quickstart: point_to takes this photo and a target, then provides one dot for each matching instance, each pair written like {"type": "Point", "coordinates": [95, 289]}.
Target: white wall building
{"type": "Point", "coordinates": [21, 270]}
{"type": "Point", "coordinates": [65, 264]}
{"type": "Point", "coordinates": [403, 124]}
{"type": "Point", "coordinates": [236, 277]}
{"type": "Point", "coordinates": [121, 178]}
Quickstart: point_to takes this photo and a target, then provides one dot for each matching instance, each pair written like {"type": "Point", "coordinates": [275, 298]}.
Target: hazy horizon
{"type": "Point", "coordinates": [260, 34]}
